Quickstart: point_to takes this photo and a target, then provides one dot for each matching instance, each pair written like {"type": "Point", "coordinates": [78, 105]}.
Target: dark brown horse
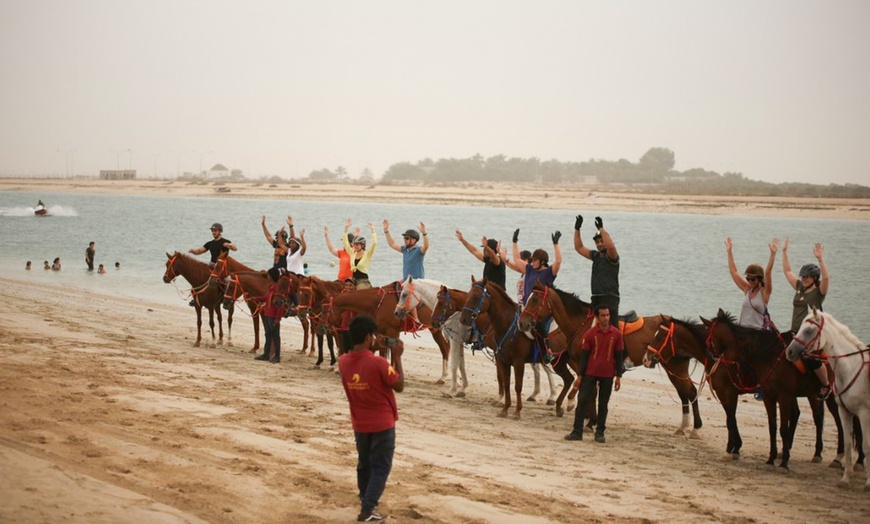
{"type": "Point", "coordinates": [196, 273]}
{"type": "Point", "coordinates": [755, 359]}
{"type": "Point", "coordinates": [253, 285]}
{"type": "Point", "coordinates": [313, 293]}
{"type": "Point", "coordinates": [512, 347]}
{"type": "Point", "coordinates": [380, 303]}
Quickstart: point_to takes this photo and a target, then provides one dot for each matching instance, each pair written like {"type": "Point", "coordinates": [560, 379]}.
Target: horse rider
{"type": "Point", "coordinates": [493, 265]}
{"type": "Point", "coordinates": [605, 267]}
{"type": "Point", "coordinates": [811, 288]}
{"type": "Point", "coordinates": [756, 286]}
{"type": "Point", "coordinates": [360, 257]}
{"type": "Point", "coordinates": [412, 253]}
{"type": "Point", "coordinates": [217, 245]}
{"type": "Point", "coordinates": [279, 258]}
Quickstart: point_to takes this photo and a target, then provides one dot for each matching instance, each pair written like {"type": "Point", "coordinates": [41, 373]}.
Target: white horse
{"type": "Point", "coordinates": [425, 291]}
{"type": "Point", "coordinates": [848, 357]}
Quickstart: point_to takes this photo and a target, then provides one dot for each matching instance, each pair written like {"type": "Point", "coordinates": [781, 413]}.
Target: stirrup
{"type": "Point", "coordinates": [825, 392]}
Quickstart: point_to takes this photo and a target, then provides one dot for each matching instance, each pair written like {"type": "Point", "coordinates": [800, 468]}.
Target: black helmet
{"type": "Point", "coordinates": [218, 226]}
{"type": "Point", "coordinates": [360, 240]}
{"type": "Point", "coordinates": [411, 234]}
{"type": "Point", "coordinates": [282, 233]}
{"type": "Point", "coordinates": [350, 238]}
{"type": "Point", "coordinates": [811, 270]}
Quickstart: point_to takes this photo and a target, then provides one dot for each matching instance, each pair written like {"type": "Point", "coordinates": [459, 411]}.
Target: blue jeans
{"type": "Point", "coordinates": [273, 336]}
{"type": "Point", "coordinates": [375, 452]}
{"type": "Point", "coordinates": [587, 389]}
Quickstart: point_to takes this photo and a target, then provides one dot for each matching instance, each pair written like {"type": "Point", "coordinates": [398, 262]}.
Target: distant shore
{"type": "Point", "coordinates": [574, 198]}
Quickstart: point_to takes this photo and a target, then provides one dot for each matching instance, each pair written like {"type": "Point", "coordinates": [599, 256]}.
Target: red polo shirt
{"type": "Point", "coordinates": [367, 380]}
{"type": "Point", "coordinates": [603, 344]}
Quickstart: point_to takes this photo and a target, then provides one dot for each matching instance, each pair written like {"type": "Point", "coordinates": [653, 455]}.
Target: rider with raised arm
{"type": "Point", "coordinates": [412, 253]}
{"type": "Point", "coordinates": [811, 288]}
{"type": "Point", "coordinates": [295, 248]}
{"type": "Point", "coordinates": [605, 267]}
{"type": "Point", "coordinates": [756, 288]}
{"type": "Point", "coordinates": [344, 270]}
{"type": "Point", "coordinates": [489, 254]}
{"type": "Point", "coordinates": [538, 268]}
{"type": "Point", "coordinates": [360, 257]}
{"type": "Point", "coordinates": [279, 258]}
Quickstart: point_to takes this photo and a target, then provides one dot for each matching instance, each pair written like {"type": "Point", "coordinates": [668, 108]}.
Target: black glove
{"type": "Point", "coordinates": [556, 236]}
{"type": "Point", "coordinates": [516, 235]}
{"type": "Point", "coordinates": [598, 223]}
{"type": "Point", "coordinates": [578, 222]}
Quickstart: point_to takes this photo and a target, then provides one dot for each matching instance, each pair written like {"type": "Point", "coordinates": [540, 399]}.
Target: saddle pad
{"type": "Point", "coordinates": [630, 327]}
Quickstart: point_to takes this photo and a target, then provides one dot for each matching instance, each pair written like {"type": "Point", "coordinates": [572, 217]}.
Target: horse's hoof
{"type": "Point", "coordinates": [560, 412]}
{"type": "Point", "coordinates": [842, 483]}
{"type": "Point", "coordinates": [461, 394]}
{"type": "Point", "coordinates": [439, 382]}
{"type": "Point", "coordinates": [729, 457]}
{"type": "Point", "coordinates": [446, 395]}
{"type": "Point", "coordinates": [679, 431]}
{"type": "Point", "coordinates": [816, 459]}
{"type": "Point", "coordinates": [783, 469]}
{"type": "Point", "coordinates": [551, 402]}
{"type": "Point", "coordinates": [230, 345]}
{"type": "Point", "coordinates": [502, 414]}
{"type": "Point", "coordinates": [531, 399]}
{"type": "Point", "coordinates": [253, 350]}
{"type": "Point", "coordinates": [570, 409]}
{"type": "Point", "coordinates": [695, 434]}
{"type": "Point", "coordinates": [858, 467]}
{"type": "Point", "coordinates": [196, 344]}
{"type": "Point", "coordinates": [835, 464]}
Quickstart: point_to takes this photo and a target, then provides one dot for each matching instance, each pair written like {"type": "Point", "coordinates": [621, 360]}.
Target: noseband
{"type": "Point", "coordinates": [475, 311]}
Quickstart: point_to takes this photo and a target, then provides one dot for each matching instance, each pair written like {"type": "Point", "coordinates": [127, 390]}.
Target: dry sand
{"type": "Point", "coordinates": [109, 415]}
{"type": "Point", "coordinates": [578, 198]}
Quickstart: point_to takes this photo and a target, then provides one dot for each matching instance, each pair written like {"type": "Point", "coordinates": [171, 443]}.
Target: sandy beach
{"type": "Point", "coordinates": [109, 414]}
{"type": "Point", "coordinates": [586, 199]}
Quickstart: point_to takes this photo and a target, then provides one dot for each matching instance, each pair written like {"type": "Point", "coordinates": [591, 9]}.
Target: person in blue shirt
{"type": "Point", "coordinates": [412, 253]}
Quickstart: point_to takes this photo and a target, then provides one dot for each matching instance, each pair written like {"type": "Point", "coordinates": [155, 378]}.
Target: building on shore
{"type": "Point", "coordinates": [117, 174]}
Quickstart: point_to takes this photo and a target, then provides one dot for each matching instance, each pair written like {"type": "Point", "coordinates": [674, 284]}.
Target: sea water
{"type": "Point", "coordinates": [670, 263]}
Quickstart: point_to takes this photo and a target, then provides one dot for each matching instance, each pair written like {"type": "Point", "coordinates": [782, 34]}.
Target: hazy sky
{"type": "Point", "coordinates": [776, 90]}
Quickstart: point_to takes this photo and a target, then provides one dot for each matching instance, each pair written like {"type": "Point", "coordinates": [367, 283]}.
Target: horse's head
{"type": "Point", "coordinates": [443, 308]}
{"type": "Point", "coordinates": [721, 335]}
{"type": "Point", "coordinates": [476, 303]}
{"type": "Point", "coordinates": [808, 340]}
{"type": "Point", "coordinates": [171, 273]}
{"type": "Point", "coordinates": [537, 307]}
{"type": "Point", "coordinates": [661, 349]}
{"type": "Point", "coordinates": [306, 294]}
{"type": "Point", "coordinates": [232, 291]}
{"type": "Point", "coordinates": [408, 299]}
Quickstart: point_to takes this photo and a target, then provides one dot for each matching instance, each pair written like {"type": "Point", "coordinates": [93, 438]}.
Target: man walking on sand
{"type": "Point", "coordinates": [369, 382]}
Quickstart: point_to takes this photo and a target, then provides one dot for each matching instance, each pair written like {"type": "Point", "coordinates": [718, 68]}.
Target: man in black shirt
{"type": "Point", "coordinates": [216, 246]}
{"type": "Point", "coordinates": [493, 265]}
{"type": "Point", "coordinates": [605, 267]}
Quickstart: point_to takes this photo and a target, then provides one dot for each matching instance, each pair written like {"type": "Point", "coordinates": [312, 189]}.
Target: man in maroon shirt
{"type": "Point", "coordinates": [601, 359]}
{"type": "Point", "coordinates": [369, 382]}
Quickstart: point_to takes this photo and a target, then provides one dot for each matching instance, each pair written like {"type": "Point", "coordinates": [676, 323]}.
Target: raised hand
{"type": "Point", "coordinates": [347, 223]}
{"type": "Point", "coordinates": [386, 226]}
{"type": "Point", "coordinates": [728, 244]}
{"type": "Point", "coordinates": [578, 222]}
{"type": "Point", "coordinates": [516, 236]}
{"type": "Point", "coordinates": [556, 236]}
{"type": "Point", "coordinates": [598, 223]}
{"type": "Point", "coordinates": [774, 246]}
{"type": "Point", "coordinates": [785, 245]}
{"type": "Point", "coordinates": [459, 235]}
{"type": "Point", "coordinates": [818, 251]}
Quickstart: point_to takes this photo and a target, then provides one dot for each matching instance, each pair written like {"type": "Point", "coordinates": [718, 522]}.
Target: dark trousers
{"type": "Point", "coordinates": [273, 336]}
{"type": "Point", "coordinates": [611, 302]}
{"type": "Point", "coordinates": [375, 452]}
{"type": "Point", "coordinates": [587, 389]}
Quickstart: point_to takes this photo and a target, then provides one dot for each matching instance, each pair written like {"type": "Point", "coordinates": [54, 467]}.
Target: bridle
{"type": "Point", "coordinates": [408, 305]}
{"type": "Point", "coordinates": [816, 339]}
{"type": "Point", "coordinates": [540, 309]}
{"type": "Point", "coordinates": [444, 310]}
{"type": "Point", "coordinates": [170, 269]}
{"type": "Point", "coordinates": [484, 295]}
{"type": "Point", "coordinates": [667, 342]}
{"type": "Point", "coordinates": [832, 360]}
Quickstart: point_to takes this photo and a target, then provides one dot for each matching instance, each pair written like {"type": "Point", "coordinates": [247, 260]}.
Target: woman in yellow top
{"type": "Point", "coordinates": [360, 257]}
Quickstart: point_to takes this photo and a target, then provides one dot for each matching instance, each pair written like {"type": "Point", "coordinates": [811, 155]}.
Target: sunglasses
{"type": "Point", "coordinates": [752, 279]}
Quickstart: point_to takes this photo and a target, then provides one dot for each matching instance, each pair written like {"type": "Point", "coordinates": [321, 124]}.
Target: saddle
{"type": "Point", "coordinates": [630, 322]}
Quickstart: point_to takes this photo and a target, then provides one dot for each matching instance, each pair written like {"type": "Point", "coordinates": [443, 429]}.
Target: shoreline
{"type": "Point", "coordinates": [508, 195]}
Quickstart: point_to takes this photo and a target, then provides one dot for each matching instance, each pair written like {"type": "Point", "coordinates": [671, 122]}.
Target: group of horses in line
{"type": "Point", "coordinates": [736, 360]}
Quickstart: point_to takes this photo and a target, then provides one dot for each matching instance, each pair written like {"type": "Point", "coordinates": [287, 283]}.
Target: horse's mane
{"type": "Point", "coordinates": [754, 341]}
{"type": "Point", "coordinates": [500, 291]}
{"type": "Point", "coordinates": [572, 302]}
{"type": "Point", "coordinates": [844, 330]}
{"type": "Point", "coordinates": [697, 329]}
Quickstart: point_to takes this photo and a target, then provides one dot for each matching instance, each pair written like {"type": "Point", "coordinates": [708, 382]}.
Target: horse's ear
{"type": "Point", "coordinates": [705, 321]}
{"type": "Point", "coordinates": [472, 279]}
{"type": "Point", "coordinates": [816, 313]}
{"type": "Point", "coordinates": [168, 256]}
{"type": "Point", "coordinates": [721, 313]}
{"type": "Point", "coordinates": [443, 289]}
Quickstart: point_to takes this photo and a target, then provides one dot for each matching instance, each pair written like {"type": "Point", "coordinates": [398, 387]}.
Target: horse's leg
{"type": "Point", "coordinates": [551, 379]}
{"type": "Point", "coordinates": [220, 323]}
{"type": "Point", "coordinates": [506, 376]}
{"type": "Point", "coordinates": [818, 411]}
{"type": "Point", "coordinates": [462, 373]}
{"type": "Point", "coordinates": [444, 347]}
{"type": "Point", "coordinates": [536, 369]}
{"type": "Point", "coordinates": [572, 364]}
{"type": "Point", "coordinates": [831, 404]}
{"type": "Point", "coordinates": [211, 327]}
{"type": "Point", "coordinates": [846, 419]}
{"type": "Point", "coordinates": [256, 320]}
{"type": "Point", "coordinates": [789, 414]}
{"type": "Point", "coordinates": [308, 332]}
{"type": "Point", "coordinates": [863, 440]}
{"type": "Point", "coordinates": [499, 374]}
{"type": "Point", "coordinates": [230, 312]}
{"type": "Point", "coordinates": [198, 325]}
{"type": "Point", "coordinates": [729, 404]}
{"type": "Point", "coordinates": [519, 369]}
{"type": "Point", "coordinates": [562, 370]}
{"type": "Point", "coordinates": [859, 437]}
{"type": "Point", "coordinates": [330, 343]}
{"type": "Point", "coordinates": [318, 333]}
{"type": "Point", "coordinates": [678, 373]}
{"type": "Point", "coordinates": [455, 355]}
{"type": "Point", "coordinates": [770, 407]}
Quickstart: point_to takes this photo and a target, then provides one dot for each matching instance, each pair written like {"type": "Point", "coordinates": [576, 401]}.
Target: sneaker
{"type": "Point", "coordinates": [600, 439]}
{"type": "Point", "coordinates": [370, 516]}
{"type": "Point", "coordinates": [825, 392]}
{"type": "Point", "coordinates": [574, 435]}
{"type": "Point", "coordinates": [192, 303]}
{"type": "Point", "coordinates": [759, 395]}
{"type": "Point", "coordinates": [275, 360]}
{"type": "Point", "coordinates": [264, 356]}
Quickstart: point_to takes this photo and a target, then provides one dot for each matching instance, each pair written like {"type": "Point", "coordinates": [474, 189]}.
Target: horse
{"type": "Point", "coordinates": [196, 273]}
{"type": "Point", "coordinates": [250, 285]}
{"type": "Point", "coordinates": [755, 358]}
{"type": "Point", "coordinates": [380, 303]}
{"type": "Point", "coordinates": [313, 292]}
{"type": "Point", "coordinates": [822, 333]}
{"type": "Point", "coordinates": [512, 349]}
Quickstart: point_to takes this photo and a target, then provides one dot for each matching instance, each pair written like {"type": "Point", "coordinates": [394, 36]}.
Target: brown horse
{"type": "Point", "coordinates": [380, 303]}
{"type": "Point", "coordinates": [755, 359]}
{"type": "Point", "coordinates": [196, 273]}
{"type": "Point", "coordinates": [252, 287]}
{"type": "Point", "coordinates": [575, 317]}
{"type": "Point", "coordinates": [688, 339]}
{"type": "Point", "coordinates": [313, 292]}
{"type": "Point", "coordinates": [512, 347]}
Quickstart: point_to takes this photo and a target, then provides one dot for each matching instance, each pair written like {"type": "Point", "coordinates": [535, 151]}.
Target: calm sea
{"type": "Point", "coordinates": [673, 264]}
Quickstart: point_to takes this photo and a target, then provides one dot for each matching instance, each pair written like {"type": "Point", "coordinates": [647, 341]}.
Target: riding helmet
{"type": "Point", "coordinates": [754, 270]}
{"type": "Point", "coordinates": [360, 240]}
{"type": "Point", "coordinates": [411, 234]}
{"type": "Point", "coordinates": [542, 256]}
{"type": "Point", "coordinates": [283, 234]}
{"type": "Point", "coordinates": [217, 226]}
{"type": "Point", "coordinates": [811, 270]}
